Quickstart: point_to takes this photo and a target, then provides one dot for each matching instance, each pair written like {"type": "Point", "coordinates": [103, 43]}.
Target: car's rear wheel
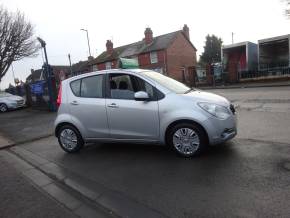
{"type": "Point", "coordinates": [70, 139]}
{"type": "Point", "coordinates": [3, 107]}
{"type": "Point", "coordinates": [187, 139]}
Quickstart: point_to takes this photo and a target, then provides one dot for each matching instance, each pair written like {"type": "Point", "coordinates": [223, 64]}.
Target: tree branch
{"type": "Point", "coordinates": [16, 39]}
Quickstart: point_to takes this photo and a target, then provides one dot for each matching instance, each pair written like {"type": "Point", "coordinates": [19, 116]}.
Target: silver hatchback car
{"type": "Point", "coordinates": [140, 106]}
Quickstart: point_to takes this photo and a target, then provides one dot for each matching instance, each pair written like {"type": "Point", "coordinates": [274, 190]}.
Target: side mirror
{"type": "Point", "coordinates": [141, 96]}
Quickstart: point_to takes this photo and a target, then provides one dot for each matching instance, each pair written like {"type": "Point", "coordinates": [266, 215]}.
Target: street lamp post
{"type": "Point", "coordinates": [88, 40]}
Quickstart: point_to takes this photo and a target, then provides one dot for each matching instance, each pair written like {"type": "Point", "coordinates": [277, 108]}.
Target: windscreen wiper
{"type": "Point", "coordinates": [189, 90]}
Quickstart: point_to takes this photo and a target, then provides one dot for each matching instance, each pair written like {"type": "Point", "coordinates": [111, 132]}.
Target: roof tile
{"type": "Point", "coordinates": [159, 43]}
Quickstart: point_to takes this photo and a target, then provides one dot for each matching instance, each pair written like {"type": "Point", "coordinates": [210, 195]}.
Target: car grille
{"type": "Point", "coordinates": [20, 102]}
{"type": "Point", "coordinates": [232, 108]}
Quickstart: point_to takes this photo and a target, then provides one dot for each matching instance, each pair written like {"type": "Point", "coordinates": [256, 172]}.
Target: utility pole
{"type": "Point", "coordinates": [43, 45]}
{"type": "Point", "coordinates": [51, 89]}
{"type": "Point", "coordinates": [88, 40]}
{"type": "Point", "coordinates": [232, 38]}
{"type": "Point", "coordinates": [212, 64]}
{"type": "Point", "coordinates": [70, 64]}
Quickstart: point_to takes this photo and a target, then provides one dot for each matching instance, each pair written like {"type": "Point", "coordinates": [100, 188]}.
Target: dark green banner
{"type": "Point", "coordinates": [126, 63]}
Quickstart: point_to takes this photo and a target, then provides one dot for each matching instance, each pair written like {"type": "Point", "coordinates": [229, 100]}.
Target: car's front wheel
{"type": "Point", "coordinates": [187, 139]}
{"type": "Point", "coordinates": [70, 139]}
{"type": "Point", "coordinates": [3, 107]}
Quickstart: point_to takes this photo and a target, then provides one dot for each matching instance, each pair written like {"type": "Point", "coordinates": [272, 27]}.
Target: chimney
{"type": "Point", "coordinates": [90, 58]}
{"type": "Point", "coordinates": [186, 31]}
{"type": "Point", "coordinates": [148, 35]}
{"type": "Point", "coordinates": [109, 46]}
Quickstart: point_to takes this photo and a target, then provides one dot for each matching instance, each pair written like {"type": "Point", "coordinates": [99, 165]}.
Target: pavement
{"type": "Point", "coordinates": [245, 177]}
{"type": "Point", "coordinates": [4, 142]}
{"type": "Point", "coordinates": [36, 194]}
{"type": "Point", "coordinates": [19, 198]}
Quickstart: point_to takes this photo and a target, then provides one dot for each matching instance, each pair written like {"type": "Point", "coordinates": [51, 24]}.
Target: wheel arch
{"type": "Point", "coordinates": [172, 124]}
{"type": "Point", "coordinates": [57, 128]}
{"type": "Point", "coordinates": [5, 104]}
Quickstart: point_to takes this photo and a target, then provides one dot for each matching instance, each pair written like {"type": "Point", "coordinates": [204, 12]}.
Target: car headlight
{"type": "Point", "coordinates": [218, 111]}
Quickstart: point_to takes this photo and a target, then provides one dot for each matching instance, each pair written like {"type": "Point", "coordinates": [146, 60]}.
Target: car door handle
{"type": "Point", "coordinates": [113, 105]}
{"type": "Point", "coordinates": [74, 103]}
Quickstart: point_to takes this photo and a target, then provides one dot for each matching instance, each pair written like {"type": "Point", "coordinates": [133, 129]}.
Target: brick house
{"type": "Point", "coordinates": [60, 72]}
{"type": "Point", "coordinates": [171, 54]}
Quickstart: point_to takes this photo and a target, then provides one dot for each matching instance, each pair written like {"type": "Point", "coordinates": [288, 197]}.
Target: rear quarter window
{"type": "Point", "coordinates": [76, 87]}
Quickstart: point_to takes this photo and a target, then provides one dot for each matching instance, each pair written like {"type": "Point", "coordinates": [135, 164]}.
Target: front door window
{"type": "Point", "coordinates": [121, 87]}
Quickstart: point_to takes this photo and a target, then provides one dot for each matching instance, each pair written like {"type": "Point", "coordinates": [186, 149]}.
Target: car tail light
{"type": "Point", "coordinates": [58, 100]}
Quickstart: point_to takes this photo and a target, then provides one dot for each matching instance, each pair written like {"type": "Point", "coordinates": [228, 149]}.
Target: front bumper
{"type": "Point", "coordinates": [220, 131]}
{"type": "Point", "coordinates": [16, 104]}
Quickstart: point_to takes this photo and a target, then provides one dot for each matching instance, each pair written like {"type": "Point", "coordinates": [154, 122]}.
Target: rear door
{"type": "Point", "coordinates": [87, 105]}
{"type": "Point", "coordinates": [128, 118]}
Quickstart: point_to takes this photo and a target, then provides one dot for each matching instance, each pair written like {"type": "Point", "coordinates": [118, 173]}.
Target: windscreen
{"type": "Point", "coordinates": [170, 84]}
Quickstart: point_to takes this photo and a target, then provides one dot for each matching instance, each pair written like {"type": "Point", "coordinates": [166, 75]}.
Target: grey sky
{"type": "Point", "coordinates": [58, 22]}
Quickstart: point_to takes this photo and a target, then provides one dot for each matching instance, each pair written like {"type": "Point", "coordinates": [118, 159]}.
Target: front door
{"type": "Point", "coordinates": [128, 118]}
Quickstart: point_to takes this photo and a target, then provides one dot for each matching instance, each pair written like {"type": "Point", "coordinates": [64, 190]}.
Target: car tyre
{"type": "Point", "coordinates": [3, 107]}
{"type": "Point", "coordinates": [187, 139]}
{"type": "Point", "coordinates": [70, 139]}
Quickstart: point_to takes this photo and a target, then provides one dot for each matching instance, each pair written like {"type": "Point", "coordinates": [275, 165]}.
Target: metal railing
{"type": "Point", "coordinates": [267, 72]}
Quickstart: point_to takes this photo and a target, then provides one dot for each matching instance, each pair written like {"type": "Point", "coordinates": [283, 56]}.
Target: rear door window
{"type": "Point", "coordinates": [92, 87]}
{"type": "Point", "coordinates": [88, 87]}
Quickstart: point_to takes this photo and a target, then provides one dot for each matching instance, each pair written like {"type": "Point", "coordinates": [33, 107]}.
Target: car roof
{"type": "Point", "coordinates": [129, 71]}
{"type": "Point", "coordinates": [132, 71]}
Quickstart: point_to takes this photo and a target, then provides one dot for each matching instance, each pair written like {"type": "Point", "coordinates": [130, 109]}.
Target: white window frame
{"type": "Point", "coordinates": [108, 65]}
{"type": "Point", "coordinates": [153, 57]}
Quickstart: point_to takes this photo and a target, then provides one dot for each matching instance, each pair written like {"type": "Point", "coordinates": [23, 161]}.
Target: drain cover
{"type": "Point", "coordinates": [286, 165]}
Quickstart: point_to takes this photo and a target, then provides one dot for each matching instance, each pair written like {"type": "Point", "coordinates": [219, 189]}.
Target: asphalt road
{"type": "Point", "coordinates": [246, 177]}
{"type": "Point", "coordinates": [263, 113]}
{"type": "Point", "coordinates": [26, 124]}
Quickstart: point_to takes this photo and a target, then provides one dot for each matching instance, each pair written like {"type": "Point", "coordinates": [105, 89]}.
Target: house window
{"type": "Point", "coordinates": [108, 65]}
{"type": "Point", "coordinates": [153, 57]}
{"type": "Point", "coordinates": [95, 67]}
{"type": "Point", "coordinates": [183, 74]}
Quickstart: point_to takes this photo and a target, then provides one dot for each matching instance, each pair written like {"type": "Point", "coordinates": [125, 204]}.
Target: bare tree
{"type": "Point", "coordinates": [287, 7]}
{"type": "Point", "coordinates": [287, 11]}
{"type": "Point", "coordinates": [16, 39]}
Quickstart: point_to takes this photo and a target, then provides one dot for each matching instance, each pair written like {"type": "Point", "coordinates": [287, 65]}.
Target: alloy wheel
{"type": "Point", "coordinates": [186, 141]}
{"type": "Point", "coordinates": [68, 139]}
{"type": "Point", "coordinates": [3, 108]}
